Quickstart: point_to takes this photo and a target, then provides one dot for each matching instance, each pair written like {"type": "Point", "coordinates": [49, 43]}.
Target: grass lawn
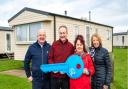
{"type": "Point", "coordinates": [9, 81]}
{"type": "Point", "coordinates": [10, 64]}
{"type": "Point", "coordinates": [120, 69]}
{"type": "Point", "coordinates": [13, 82]}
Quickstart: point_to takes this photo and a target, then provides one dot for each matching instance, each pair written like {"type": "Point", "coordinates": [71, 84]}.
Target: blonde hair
{"type": "Point", "coordinates": [99, 39]}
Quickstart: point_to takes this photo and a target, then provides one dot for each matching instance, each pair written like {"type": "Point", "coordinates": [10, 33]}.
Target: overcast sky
{"type": "Point", "coordinates": [109, 12]}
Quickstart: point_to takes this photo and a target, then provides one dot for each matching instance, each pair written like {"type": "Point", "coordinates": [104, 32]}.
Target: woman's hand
{"type": "Point", "coordinates": [85, 71]}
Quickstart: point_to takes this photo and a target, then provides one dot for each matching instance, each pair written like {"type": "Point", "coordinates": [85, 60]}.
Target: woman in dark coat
{"type": "Point", "coordinates": [103, 69]}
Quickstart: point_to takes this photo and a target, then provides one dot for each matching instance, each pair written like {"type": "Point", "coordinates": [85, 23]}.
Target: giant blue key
{"type": "Point", "coordinates": [73, 67]}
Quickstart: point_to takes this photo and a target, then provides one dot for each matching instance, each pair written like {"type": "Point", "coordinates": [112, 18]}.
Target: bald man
{"type": "Point", "coordinates": [37, 54]}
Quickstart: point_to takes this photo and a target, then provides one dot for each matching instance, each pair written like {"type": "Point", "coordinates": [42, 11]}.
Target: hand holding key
{"type": "Point", "coordinates": [73, 67]}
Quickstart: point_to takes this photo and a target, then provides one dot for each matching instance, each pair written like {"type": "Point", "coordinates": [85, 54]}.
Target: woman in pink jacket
{"type": "Point", "coordinates": [83, 82]}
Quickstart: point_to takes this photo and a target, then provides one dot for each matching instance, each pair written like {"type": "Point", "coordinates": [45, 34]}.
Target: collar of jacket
{"type": "Point", "coordinates": [97, 48]}
{"type": "Point", "coordinates": [63, 42]}
{"type": "Point", "coordinates": [40, 44]}
{"type": "Point", "coordinates": [80, 54]}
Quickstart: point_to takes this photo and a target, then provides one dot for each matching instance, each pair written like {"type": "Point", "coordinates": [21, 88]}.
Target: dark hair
{"type": "Point", "coordinates": [99, 39]}
{"type": "Point", "coordinates": [81, 39]}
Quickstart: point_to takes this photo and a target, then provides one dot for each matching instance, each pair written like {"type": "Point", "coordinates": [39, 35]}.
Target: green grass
{"type": "Point", "coordinates": [120, 68]}
{"type": "Point", "coordinates": [9, 81]}
{"type": "Point", "coordinates": [13, 82]}
{"type": "Point", "coordinates": [10, 64]}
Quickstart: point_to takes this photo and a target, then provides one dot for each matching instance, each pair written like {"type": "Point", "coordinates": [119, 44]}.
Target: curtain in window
{"type": "Point", "coordinates": [21, 32]}
{"type": "Point", "coordinates": [87, 35]}
{"type": "Point", "coordinates": [34, 27]}
{"type": "Point", "coordinates": [76, 30]}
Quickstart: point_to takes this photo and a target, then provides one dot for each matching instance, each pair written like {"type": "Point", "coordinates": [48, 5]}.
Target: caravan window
{"type": "Point", "coordinates": [27, 32]}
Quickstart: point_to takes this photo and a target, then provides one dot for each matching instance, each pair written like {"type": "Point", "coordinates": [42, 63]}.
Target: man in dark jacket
{"type": "Point", "coordinates": [37, 54]}
{"type": "Point", "coordinates": [59, 52]}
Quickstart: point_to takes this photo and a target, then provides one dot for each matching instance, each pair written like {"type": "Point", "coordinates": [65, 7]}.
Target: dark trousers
{"type": "Point", "coordinates": [97, 86]}
{"type": "Point", "coordinates": [44, 84]}
{"type": "Point", "coordinates": [59, 83]}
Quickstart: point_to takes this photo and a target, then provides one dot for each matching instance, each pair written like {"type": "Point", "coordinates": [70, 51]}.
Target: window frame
{"type": "Point", "coordinates": [77, 28]}
{"type": "Point", "coordinates": [109, 35]}
{"type": "Point", "coordinates": [28, 33]}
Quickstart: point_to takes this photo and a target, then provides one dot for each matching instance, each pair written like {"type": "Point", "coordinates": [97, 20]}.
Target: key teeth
{"type": "Point", "coordinates": [45, 68]}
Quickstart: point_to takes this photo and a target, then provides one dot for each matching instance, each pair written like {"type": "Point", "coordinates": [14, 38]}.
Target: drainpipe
{"type": "Point", "coordinates": [54, 28]}
{"type": "Point", "coordinates": [112, 40]}
{"type": "Point", "coordinates": [112, 58]}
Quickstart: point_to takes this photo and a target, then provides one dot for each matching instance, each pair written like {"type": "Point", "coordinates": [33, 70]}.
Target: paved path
{"type": "Point", "coordinates": [19, 73]}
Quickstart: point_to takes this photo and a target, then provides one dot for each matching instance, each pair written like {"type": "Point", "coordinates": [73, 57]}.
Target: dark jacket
{"type": "Point", "coordinates": [37, 56]}
{"type": "Point", "coordinates": [103, 68]}
{"type": "Point", "coordinates": [59, 52]}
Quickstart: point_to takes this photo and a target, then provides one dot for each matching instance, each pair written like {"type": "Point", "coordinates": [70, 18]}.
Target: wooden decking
{"type": "Point", "coordinates": [7, 55]}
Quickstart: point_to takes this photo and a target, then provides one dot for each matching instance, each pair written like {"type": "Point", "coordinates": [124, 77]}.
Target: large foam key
{"type": "Point", "coordinates": [73, 67]}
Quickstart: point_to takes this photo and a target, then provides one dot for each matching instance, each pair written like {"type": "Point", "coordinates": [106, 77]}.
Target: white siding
{"type": "Point", "coordinates": [102, 31]}
{"type": "Point", "coordinates": [29, 17]}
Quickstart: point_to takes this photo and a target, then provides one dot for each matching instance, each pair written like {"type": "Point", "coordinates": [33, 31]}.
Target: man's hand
{"type": "Point", "coordinates": [55, 72]}
{"type": "Point", "coordinates": [105, 87]}
{"type": "Point", "coordinates": [62, 72]}
{"type": "Point", "coordinates": [30, 78]}
{"type": "Point", "coordinates": [58, 72]}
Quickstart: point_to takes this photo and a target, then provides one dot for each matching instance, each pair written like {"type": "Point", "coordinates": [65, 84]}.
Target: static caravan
{"type": "Point", "coordinates": [6, 42]}
{"type": "Point", "coordinates": [27, 21]}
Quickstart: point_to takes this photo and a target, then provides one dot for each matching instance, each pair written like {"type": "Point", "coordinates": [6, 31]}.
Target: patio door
{"type": "Point", "coordinates": [8, 42]}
